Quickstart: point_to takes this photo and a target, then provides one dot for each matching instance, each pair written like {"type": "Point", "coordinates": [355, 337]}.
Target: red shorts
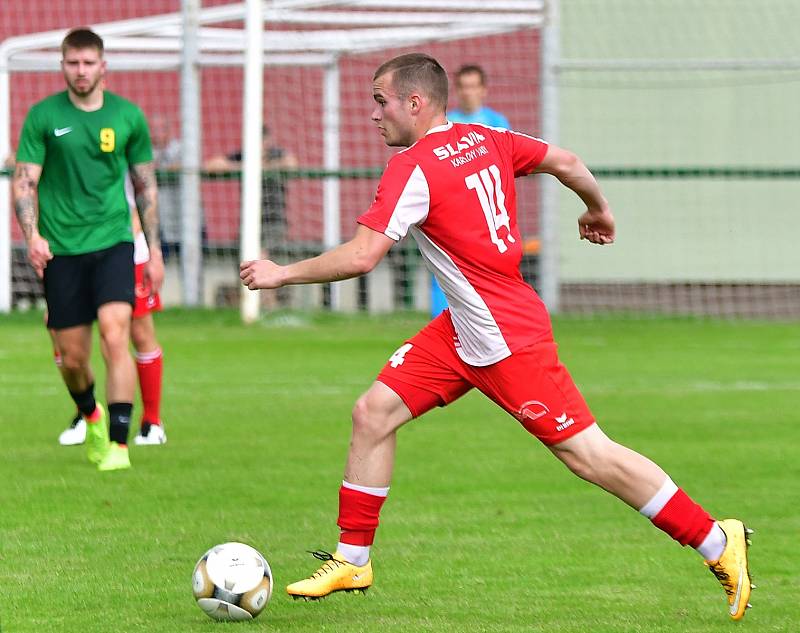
{"type": "Point", "coordinates": [531, 384]}
{"type": "Point", "coordinates": [145, 302]}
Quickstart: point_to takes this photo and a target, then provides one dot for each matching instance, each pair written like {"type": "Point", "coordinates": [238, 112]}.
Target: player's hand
{"type": "Point", "coordinates": [260, 274]}
{"type": "Point", "coordinates": [596, 226]}
{"type": "Point", "coordinates": [154, 271]}
{"type": "Point", "coordinates": [39, 254]}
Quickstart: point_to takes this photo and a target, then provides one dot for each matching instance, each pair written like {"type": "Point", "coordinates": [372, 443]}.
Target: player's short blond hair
{"type": "Point", "coordinates": [417, 71]}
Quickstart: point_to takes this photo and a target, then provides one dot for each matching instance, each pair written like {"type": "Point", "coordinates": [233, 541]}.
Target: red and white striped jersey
{"type": "Point", "coordinates": [454, 191]}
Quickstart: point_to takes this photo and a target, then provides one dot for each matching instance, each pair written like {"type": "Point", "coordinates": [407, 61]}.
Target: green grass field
{"type": "Point", "coordinates": [483, 530]}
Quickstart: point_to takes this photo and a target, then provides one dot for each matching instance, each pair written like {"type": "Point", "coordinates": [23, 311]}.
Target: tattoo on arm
{"type": "Point", "coordinates": [143, 176]}
{"type": "Point", "coordinates": [26, 179]}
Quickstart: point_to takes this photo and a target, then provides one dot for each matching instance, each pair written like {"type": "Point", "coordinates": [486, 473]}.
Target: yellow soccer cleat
{"type": "Point", "coordinates": [335, 575]}
{"type": "Point", "coordinates": [731, 569]}
{"type": "Point", "coordinates": [116, 458]}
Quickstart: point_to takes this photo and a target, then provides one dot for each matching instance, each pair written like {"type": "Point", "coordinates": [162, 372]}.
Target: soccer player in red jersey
{"type": "Point", "coordinates": [148, 354]}
{"type": "Point", "coordinates": [453, 190]}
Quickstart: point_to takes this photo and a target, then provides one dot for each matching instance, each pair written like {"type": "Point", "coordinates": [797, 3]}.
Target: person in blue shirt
{"type": "Point", "coordinates": [470, 91]}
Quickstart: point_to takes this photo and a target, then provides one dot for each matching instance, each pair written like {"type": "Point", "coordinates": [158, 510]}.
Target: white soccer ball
{"type": "Point", "coordinates": [232, 581]}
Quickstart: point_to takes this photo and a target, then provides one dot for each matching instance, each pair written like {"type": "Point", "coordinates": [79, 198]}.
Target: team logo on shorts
{"type": "Point", "coordinates": [532, 410]}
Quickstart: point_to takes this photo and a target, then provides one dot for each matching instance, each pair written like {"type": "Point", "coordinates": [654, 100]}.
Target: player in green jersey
{"type": "Point", "coordinates": [69, 195]}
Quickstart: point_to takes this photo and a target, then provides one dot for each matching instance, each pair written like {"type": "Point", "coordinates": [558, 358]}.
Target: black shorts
{"type": "Point", "coordinates": [75, 286]}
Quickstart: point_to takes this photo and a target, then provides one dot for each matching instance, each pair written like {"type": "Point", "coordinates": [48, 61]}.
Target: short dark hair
{"type": "Point", "coordinates": [82, 37]}
{"type": "Point", "coordinates": [417, 71]}
{"type": "Point", "coordinates": [469, 69]}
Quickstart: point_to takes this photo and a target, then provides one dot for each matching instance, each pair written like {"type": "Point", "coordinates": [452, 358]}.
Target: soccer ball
{"type": "Point", "coordinates": [232, 581]}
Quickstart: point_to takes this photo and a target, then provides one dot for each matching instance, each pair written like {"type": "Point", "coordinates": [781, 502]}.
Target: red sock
{"type": "Point", "coordinates": [150, 368]}
{"type": "Point", "coordinates": [358, 516]}
{"type": "Point", "coordinates": [684, 520]}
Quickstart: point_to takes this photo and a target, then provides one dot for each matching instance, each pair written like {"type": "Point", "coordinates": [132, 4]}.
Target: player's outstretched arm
{"type": "Point", "coordinates": [356, 257]}
{"type": "Point", "coordinates": [596, 224]}
{"type": "Point", "coordinates": [26, 205]}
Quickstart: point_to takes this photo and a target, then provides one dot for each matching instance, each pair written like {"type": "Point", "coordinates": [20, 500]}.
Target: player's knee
{"type": "Point", "coordinates": [143, 333]}
{"type": "Point", "coordinates": [74, 359]}
{"type": "Point", "coordinates": [115, 339]}
{"type": "Point", "coordinates": [142, 340]}
{"type": "Point", "coordinates": [360, 416]}
{"type": "Point", "coordinates": [368, 418]}
{"type": "Point", "coordinates": [587, 455]}
{"type": "Point", "coordinates": [584, 466]}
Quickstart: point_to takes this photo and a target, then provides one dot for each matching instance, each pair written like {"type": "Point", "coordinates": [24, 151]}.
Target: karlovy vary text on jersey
{"type": "Point", "coordinates": [465, 143]}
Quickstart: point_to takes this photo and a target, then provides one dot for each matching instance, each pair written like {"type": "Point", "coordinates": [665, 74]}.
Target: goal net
{"type": "Point", "coordinates": [306, 46]}
{"type": "Point", "coordinates": [684, 111]}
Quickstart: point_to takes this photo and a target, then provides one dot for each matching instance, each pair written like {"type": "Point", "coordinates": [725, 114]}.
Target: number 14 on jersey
{"type": "Point", "coordinates": [489, 188]}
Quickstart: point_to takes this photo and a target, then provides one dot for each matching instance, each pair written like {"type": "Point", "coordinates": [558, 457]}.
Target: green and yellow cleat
{"type": "Point", "coordinates": [732, 570]}
{"type": "Point", "coordinates": [97, 437]}
{"type": "Point", "coordinates": [336, 574]}
{"type": "Point", "coordinates": [116, 458]}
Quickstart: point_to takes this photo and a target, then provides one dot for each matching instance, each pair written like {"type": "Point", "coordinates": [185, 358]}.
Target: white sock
{"type": "Point", "coordinates": [660, 499]}
{"type": "Point", "coordinates": [377, 492]}
{"type": "Point", "coordinates": [714, 544]}
{"type": "Point", "coordinates": [357, 555]}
